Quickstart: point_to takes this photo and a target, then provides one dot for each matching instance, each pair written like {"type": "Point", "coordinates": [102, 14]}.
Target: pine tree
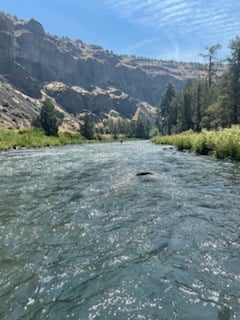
{"type": "Point", "coordinates": [234, 74]}
{"type": "Point", "coordinates": [142, 129]}
{"type": "Point", "coordinates": [87, 127]}
{"type": "Point", "coordinates": [48, 119]}
{"type": "Point", "coordinates": [165, 109]}
{"type": "Point", "coordinates": [211, 55]}
{"type": "Point", "coordinates": [187, 107]}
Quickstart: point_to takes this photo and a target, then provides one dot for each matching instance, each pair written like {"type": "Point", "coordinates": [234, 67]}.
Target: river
{"type": "Point", "coordinates": [82, 237]}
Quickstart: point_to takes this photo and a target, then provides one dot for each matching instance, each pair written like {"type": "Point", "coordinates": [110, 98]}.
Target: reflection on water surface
{"type": "Point", "coordinates": [83, 237]}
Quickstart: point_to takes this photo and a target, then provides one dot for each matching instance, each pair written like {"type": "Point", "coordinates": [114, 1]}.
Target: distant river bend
{"type": "Point", "coordinates": [83, 237]}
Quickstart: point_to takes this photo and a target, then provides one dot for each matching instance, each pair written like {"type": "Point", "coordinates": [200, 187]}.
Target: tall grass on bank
{"type": "Point", "coordinates": [33, 138]}
{"type": "Point", "coordinates": [222, 144]}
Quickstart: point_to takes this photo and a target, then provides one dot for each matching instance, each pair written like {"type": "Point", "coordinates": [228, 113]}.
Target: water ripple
{"type": "Point", "coordinates": [83, 237]}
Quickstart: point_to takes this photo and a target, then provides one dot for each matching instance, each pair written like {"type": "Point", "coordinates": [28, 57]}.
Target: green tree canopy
{"type": "Point", "coordinates": [49, 119]}
{"type": "Point", "coordinates": [165, 109]}
{"type": "Point", "coordinates": [142, 128]}
{"type": "Point", "coordinates": [87, 127]}
{"type": "Point", "coordinates": [234, 79]}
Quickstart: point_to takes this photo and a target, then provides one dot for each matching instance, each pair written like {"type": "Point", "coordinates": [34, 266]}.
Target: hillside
{"type": "Point", "coordinates": [77, 76]}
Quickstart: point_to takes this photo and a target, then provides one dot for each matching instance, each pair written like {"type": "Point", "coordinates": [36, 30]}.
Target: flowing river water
{"type": "Point", "coordinates": [82, 237]}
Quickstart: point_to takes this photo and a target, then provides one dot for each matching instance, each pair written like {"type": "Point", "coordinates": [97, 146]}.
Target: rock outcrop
{"type": "Point", "coordinates": [98, 101]}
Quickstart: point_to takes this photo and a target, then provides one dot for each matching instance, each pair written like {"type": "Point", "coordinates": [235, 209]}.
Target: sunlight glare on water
{"type": "Point", "coordinates": [83, 237]}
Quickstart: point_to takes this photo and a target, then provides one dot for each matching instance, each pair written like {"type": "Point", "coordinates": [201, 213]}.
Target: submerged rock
{"type": "Point", "coordinates": [144, 173]}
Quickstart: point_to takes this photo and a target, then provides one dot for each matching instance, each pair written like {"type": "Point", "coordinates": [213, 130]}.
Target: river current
{"type": "Point", "coordinates": [83, 237]}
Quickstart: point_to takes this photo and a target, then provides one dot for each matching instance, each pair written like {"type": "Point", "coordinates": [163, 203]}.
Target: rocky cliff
{"type": "Point", "coordinates": [81, 76]}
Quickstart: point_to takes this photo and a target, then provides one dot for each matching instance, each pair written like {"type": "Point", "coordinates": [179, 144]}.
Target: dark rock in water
{"type": "Point", "coordinates": [144, 173]}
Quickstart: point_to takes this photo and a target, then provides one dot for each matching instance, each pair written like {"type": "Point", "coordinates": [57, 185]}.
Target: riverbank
{"type": "Point", "coordinates": [222, 144]}
{"type": "Point", "coordinates": [35, 138]}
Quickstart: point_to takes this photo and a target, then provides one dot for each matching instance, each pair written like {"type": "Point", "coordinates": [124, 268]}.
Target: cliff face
{"type": "Point", "coordinates": [97, 100]}
{"type": "Point", "coordinates": [30, 59]}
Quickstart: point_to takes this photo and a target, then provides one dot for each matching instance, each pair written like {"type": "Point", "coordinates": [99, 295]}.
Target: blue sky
{"type": "Point", "coordinates": [163, 29]}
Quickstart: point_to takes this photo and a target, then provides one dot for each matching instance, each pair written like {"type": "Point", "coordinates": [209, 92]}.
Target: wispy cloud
{"type": "Point", "coordinates": [214, 20]}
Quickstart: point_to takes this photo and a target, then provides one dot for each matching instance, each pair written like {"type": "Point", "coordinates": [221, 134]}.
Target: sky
{"type": "Point", "coordinates": [162, 29]}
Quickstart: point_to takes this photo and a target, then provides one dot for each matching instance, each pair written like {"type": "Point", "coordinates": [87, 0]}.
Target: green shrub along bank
{"type": "Point", "coordinates": [36, 138]}
{"type": "Point", "coordinates": [33, 138]}
{"type": "Point", "coordinates": [222, 143]}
